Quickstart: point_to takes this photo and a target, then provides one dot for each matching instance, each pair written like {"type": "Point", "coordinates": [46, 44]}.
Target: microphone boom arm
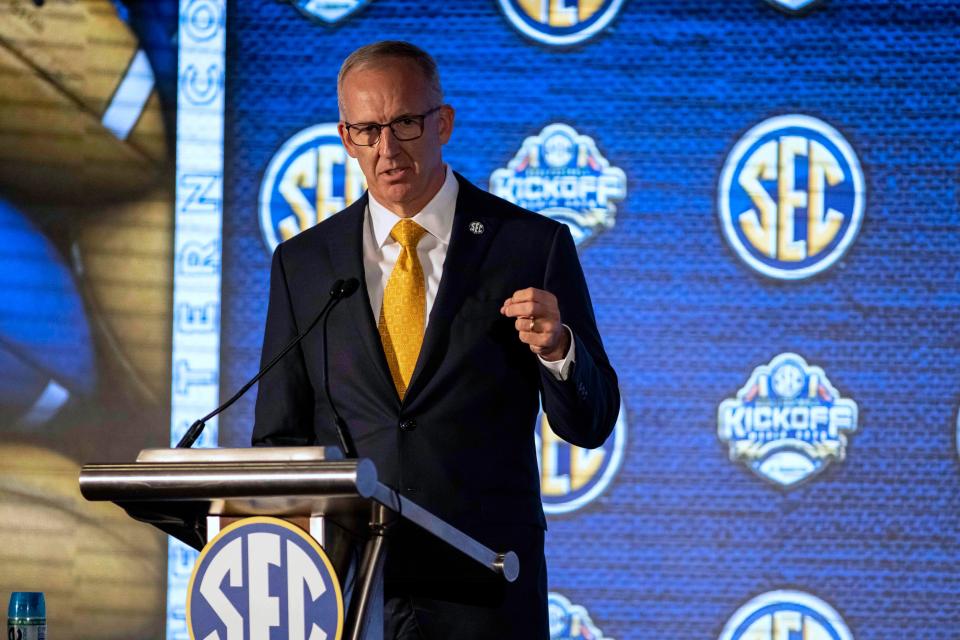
{"type": "Point", "coordinates": [341, 289]}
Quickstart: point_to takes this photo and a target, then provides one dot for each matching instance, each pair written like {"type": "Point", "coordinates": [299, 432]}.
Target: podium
{"type": "Point", "coordinates": [191, 494]}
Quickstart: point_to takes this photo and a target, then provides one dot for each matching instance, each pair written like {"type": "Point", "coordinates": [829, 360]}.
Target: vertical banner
{"type": "Point", "coordinates": [197, 251]}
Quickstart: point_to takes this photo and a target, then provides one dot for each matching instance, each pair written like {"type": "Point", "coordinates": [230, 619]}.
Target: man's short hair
{"type": "Point", "coordinates": [372, 54]}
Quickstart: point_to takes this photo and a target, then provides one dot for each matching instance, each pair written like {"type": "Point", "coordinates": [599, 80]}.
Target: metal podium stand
{"type": "Point", "coordinates": [190, 493]}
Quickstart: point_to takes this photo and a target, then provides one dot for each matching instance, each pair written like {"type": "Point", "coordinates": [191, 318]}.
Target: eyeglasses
{"type": "Point", "coordinates": [404, 128]}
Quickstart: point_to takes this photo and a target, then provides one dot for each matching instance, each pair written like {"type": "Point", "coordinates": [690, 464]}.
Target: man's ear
{"type": "Point", "coordinates": [445, 123]}
{"type": "Point", "coordinates": [345, 139]}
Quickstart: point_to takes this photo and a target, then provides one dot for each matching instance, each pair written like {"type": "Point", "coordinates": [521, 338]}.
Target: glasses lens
{"type": "Point", "coordinates": [407, 128]}
{"type": "Point", "coordinates": [365, 135]}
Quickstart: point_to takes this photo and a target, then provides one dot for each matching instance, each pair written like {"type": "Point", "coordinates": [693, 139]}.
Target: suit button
{"type": "Point", "coordinates": [408, 425]}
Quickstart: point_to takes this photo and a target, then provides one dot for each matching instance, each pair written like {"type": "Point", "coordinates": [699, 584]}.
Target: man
{"type": "Point", "coordinates": [472, 311]}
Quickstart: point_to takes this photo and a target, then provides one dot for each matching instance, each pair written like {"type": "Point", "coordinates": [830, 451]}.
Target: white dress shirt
{"type": "Point", "coordinates": [380, 253]}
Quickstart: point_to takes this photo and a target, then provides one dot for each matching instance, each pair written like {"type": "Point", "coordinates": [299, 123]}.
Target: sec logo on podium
{"type": "Point", "coordinates": [261, 578]}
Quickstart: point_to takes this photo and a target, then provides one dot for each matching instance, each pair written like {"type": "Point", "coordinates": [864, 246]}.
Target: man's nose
{"type": "Point", "coordinates": [388, 145]}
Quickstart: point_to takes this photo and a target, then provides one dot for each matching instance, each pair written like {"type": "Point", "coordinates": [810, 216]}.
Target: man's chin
{"type": "Point", "coordinates": [395, 196]}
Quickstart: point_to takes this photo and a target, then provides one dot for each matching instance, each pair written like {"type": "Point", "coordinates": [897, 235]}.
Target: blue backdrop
{"type": "Point", "coordinates": [838, 530]}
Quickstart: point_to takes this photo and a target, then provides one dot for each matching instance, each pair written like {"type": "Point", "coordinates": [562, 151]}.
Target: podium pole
{"type": "Point", "coordinates": [370, 579]}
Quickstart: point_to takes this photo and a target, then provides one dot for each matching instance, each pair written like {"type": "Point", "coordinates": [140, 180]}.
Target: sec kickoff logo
{"type": "Point", "coordinates": [560, 22]}
{"type": "Point", "coordinates": [788, 422]}
{"type": "Point", "coordinates": [786, 614]}
{"type": "Point", "coordinates": [791, 197]}
{"type": "Point", "coordinates": [570, 621]}
{"type": "Point", "coordinates": [261, 574]}
{"type": "Point", "coordinates": [310, 178]}
{"type": "Point", "coordinates": [562, 175]}
{"type": "Point", "coordinates": [329, 11]}
{"type": "Point", "coordinates": [571, 477]}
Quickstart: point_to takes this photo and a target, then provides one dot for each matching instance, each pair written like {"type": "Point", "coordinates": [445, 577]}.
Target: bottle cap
{"type": "Point", "coordinates": [27, 604]}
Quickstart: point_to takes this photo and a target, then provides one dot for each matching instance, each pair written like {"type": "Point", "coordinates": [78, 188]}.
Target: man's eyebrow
{"type": "Point", "coordinates": [399, 117]}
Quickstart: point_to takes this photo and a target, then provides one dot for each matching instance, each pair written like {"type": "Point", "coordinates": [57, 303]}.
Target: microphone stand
{"type": "Point", "coordinates": [341, 289]}
{"type": "Point", "coordinates": [343, 434]}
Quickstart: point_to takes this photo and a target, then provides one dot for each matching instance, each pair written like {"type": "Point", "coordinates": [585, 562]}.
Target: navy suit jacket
{"type": "Point", "coordinates": [466, 450]}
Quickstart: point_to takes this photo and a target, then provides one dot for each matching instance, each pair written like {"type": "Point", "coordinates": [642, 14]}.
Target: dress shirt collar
{"type": "Point", "coordinates": [436, 217]}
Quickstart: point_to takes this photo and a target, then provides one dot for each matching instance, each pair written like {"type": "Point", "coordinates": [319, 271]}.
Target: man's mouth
{"type": "Point", "coordinates": [395, 172]}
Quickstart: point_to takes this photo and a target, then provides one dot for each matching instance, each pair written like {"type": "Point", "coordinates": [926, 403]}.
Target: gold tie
{"type": "Point", "coordinates": [404, 306]}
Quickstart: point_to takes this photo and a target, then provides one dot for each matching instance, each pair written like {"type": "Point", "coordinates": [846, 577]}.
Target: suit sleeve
{"type": "Point", "coordinates": [583, 408]}
{"type": "Point", "coordinates": [284, 412]}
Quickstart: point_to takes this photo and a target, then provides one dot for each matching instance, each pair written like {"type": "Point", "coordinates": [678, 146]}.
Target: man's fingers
{"type": "Point", "coordinates": [525, 295]}
{"type": "Point", "coordinates": [537, 320]}
{"type": "Point", "coordinates": [529, 301]}
{"type": "Point", "coordinates": [520, 309]}
{"type": "Point", "coordinates": [513, 307]}
{"type": "Point", "coordinates": [527, 324]}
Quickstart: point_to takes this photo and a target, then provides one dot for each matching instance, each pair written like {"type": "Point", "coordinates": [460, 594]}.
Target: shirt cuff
{"type": "Point", "coordinates": [561, 368]}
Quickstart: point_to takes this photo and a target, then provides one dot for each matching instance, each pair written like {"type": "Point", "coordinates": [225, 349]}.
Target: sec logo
{"type": "Point", "coordinates": [791, 197]}
{"type": "Point", "coordinates": [572, 477]}
{"type": "Point", "coordinates": [786, 614]}
{"type": "Point", "coordinates": [310, 178]}
{"type": "Point", "coordinates": [560, 22]}
{"type": "Point", "coordinates": [262, 574]}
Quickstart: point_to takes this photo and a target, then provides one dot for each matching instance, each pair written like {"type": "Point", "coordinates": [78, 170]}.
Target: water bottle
{"type": "Point", "coordinates": [27, 616]}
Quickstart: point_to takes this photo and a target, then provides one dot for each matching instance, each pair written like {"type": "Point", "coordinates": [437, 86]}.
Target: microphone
{"type": "Point", "coordinates": [338, 291]}
{"type": "Point", "coordinates": [346, 290]}
{"type": "Point", "coordinates": [347, 287]}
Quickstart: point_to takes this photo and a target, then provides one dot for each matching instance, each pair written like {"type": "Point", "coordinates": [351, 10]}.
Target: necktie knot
{"type": "Point", "coordinates": [407, 233]}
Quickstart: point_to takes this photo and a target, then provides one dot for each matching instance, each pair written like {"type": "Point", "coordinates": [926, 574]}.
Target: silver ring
{"type": "Point", "coordinates": [533, 323]}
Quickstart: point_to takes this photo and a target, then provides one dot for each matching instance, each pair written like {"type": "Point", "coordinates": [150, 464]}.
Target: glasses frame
{"type": "Point", "coordinates": [380, 125]}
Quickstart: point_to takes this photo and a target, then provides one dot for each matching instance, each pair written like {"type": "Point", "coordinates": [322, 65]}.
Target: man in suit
{"type": "Point", "coordinates": [473, 311]}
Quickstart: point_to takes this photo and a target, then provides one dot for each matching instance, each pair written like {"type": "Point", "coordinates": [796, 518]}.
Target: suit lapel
{"type": "Point", "coordinates": [470, 238]}
{"type": "Point", "coordinates": [346, 255]}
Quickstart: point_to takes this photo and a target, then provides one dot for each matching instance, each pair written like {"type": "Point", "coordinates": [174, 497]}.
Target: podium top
{"type": "Point", "coordinates": [176, 489]}
{"type": "Point", "coordinates": [246, 454]}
